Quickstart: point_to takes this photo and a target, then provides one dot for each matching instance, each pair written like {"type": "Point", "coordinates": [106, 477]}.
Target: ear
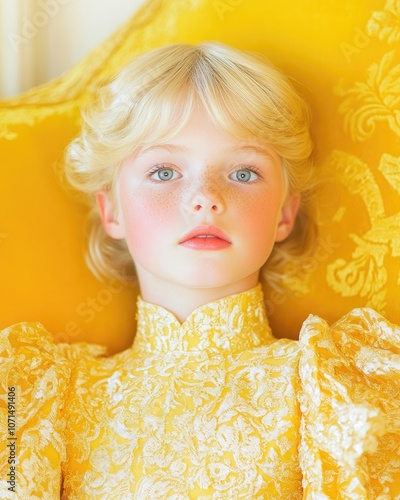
{"type": "Point", "coordinates": [110, 217]}
{"type": "Point", "coordinates": [288, 216]}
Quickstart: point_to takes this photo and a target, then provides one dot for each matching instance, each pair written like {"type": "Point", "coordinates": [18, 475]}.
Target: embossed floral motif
{"type": "Point", "coordinates": [365, 275]}
{"type": "Point", "coordinates": [364, 106]}
{"type": "Point", "coordinates": [375, 100]}
{"type": "Point", "coordinates": [385, 24]}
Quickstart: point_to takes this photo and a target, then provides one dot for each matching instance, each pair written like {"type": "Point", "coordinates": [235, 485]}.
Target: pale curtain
{"type": "Point", "coordinates": [40, 39]}
{"type": "Point", "coordinates": [17, 50]}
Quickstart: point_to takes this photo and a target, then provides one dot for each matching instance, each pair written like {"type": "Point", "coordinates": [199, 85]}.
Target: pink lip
{"type": "Point", "coordinates": [192, 240]}
{"type": "Point", "coordinates": [205, 230]}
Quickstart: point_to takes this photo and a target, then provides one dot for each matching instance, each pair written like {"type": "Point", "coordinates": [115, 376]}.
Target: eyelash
{"type": "Point", "coordinates": [252, 168]}
{"type": "Point", "coordinates": [157, 168]}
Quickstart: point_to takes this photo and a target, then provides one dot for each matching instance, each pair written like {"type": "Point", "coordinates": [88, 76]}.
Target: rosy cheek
{"type": "Point", "coordinates": [148, 218]}
{"type": "Point", "coordinates": [256, 205]}
{"type": "Point", "coordinates": [256, 214]}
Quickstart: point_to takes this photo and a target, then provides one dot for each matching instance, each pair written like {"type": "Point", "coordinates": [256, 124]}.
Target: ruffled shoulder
{"type": "Point", "coordinates": [34, 377]}
{"type": "Point", "coordinates": [350, 402]}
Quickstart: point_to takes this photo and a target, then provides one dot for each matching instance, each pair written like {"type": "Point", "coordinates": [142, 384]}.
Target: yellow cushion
{"type": "Point", "coordinates": [344, 54]}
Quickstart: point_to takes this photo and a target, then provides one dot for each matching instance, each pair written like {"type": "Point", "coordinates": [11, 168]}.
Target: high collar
{"type": "Point", "coordinates": [230, 324]}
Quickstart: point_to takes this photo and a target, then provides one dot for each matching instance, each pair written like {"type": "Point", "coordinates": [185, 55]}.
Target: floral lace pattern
{"type": "Point", "coordinates": [214, 408]}
{"type": "Point", "coordinates": [40, 372]}
{"type": "Point", "coordinates": [198, 410]}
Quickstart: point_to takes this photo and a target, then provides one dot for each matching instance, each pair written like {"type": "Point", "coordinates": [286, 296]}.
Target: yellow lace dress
{"type": "Point", "coordinates": [214, 408]}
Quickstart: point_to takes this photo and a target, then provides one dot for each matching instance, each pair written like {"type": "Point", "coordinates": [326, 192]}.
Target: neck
{"type": "Point", "coordinates": [180, 299]}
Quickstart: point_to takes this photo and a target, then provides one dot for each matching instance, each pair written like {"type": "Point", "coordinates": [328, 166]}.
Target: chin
{"type": "Point", "coordinates": [201, 280]}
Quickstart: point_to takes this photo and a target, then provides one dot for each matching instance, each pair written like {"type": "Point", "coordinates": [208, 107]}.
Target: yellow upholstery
{"type": "Point", "coordinates": [345, 56]}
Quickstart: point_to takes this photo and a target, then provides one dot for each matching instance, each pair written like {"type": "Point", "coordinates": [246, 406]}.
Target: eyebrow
{"type": "Point", "coordinates": [174, 148]}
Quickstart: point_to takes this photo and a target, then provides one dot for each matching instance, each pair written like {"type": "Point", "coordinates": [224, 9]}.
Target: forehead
{"type": "Point", "coordinates": [250, 149]}
{"type": "Point", "coordinates": [199, 131]}
{"type": "Point", "coordinates": [189, 114]}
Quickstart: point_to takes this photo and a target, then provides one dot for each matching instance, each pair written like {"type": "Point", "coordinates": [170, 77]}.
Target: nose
{"type": "Point", "coordinates": [206, 197]}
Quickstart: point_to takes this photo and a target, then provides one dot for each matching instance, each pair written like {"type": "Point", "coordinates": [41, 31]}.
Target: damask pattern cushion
{"type": "Point", "coordinates": [345, 57]}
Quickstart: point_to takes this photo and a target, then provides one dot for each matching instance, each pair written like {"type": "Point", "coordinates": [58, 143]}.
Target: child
{"type": "Point", "coordinates": [197, 162]}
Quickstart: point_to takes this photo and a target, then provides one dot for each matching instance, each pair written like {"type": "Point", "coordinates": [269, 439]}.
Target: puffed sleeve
{"type": "Point", "coordinates": [350, 403]}
{"type": "Point", "coordinates": [34, 378]}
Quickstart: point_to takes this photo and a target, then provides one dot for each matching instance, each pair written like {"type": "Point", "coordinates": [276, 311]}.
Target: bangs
{"type": "Point", "coordinates": [244, 97]}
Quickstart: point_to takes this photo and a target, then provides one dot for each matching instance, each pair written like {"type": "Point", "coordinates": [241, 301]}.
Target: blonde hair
{"type": "Point", "coordinates": [152, 99]}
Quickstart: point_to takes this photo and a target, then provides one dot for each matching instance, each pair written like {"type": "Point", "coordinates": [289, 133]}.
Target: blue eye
{"type": "Point", "coordinates": [245, 175]}
{"type": "Point", "coordinates": [164, 174]}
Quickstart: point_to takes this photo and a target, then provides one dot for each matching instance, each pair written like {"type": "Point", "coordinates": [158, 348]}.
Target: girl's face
{"type": "Point", "coordinates": [228, 189]}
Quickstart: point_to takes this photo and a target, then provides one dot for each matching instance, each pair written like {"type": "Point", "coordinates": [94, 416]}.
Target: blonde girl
{"type": "Point", "coordinates": [196, 161]}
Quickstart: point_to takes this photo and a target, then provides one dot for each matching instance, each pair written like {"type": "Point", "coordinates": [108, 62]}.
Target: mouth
{"type": "Point", "coordinates": [206, 238]}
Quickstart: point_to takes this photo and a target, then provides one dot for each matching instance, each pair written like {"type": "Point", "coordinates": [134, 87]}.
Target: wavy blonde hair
{"type": "Point", "coordinates": [152, 99]}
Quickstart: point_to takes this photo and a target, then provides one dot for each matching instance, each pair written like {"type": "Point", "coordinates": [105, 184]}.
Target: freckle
{"type": "Point", "coordinates": [162, 205]}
